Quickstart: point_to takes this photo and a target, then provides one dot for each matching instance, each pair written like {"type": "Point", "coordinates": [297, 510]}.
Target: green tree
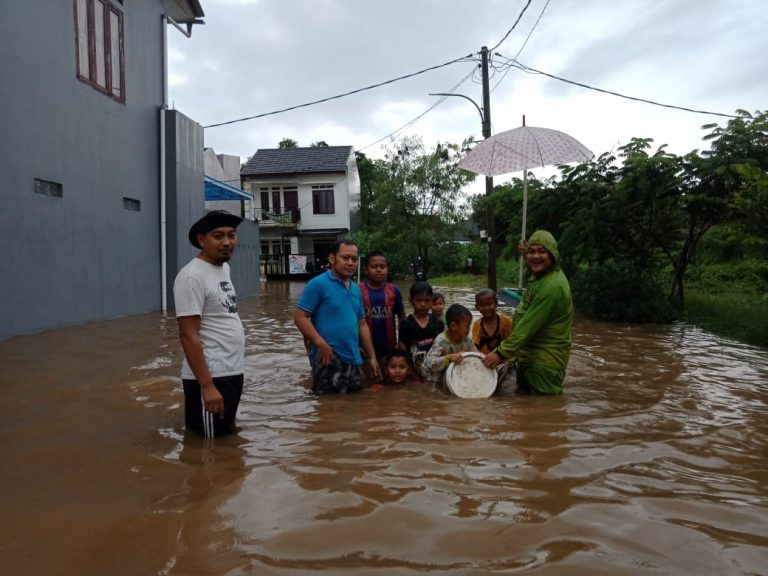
{"type": "Point", "coordinates": [614, 222]}
{"type": "Point", "coordinates": [723, 184]}
{"type": "Point", "coordinates": [742, 145]}
{"type": "Point", "coordinates": [506, 202]}
{"type": "Point", "coordinates": [373, 174]}
{"type": "Point", "coordinates": [412, 199]}
{"type": "Point", "coordinates": [751, 200]}
{"type": "Point", "coordinates": [287, 143]}
{"type": "Point", "coordinates": [584, 194]}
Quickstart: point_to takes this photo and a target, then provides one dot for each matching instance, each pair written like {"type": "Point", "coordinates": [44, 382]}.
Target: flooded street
{"type": "Point", "coordinates": [654, 461]}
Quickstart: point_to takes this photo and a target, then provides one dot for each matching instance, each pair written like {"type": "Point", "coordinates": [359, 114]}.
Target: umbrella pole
{"type": "Point", "coordinates": [525, 213]}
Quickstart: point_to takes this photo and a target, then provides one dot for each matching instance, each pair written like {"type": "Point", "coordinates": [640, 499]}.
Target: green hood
{"type": "Point", "coordinates": [548, 241]}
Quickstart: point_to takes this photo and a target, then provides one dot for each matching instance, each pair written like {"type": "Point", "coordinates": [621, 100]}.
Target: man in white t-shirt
{"type": "Point", "coordinates": [210, 329]}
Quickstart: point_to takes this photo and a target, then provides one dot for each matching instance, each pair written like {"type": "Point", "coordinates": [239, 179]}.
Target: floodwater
{"type": "Point", "coordinates": [654, 461]}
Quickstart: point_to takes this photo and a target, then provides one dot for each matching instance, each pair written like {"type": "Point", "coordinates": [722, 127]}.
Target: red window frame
{"type": "Point", "coordinates": [106, 49]}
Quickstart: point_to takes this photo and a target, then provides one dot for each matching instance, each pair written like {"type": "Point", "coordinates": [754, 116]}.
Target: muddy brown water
{"type": "Point", "coordinates": [654, 461]}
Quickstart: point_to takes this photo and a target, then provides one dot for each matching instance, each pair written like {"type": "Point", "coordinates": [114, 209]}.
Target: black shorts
{"type": "Point", "coordinates": [197, 418]}
{"type": "Point", "coordinates": [337, 377]}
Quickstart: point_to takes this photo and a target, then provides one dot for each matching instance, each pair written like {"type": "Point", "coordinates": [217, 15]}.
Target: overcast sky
{"type": "Point", "coordinates": [256, 56]}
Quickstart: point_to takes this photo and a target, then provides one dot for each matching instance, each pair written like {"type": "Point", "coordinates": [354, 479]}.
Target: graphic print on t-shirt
{"type": "Point", "coordinates": [227, 297]}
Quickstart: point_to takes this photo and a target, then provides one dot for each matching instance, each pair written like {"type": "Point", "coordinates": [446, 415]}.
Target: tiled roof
{"type": "Point", "coordinates": [298, 160]}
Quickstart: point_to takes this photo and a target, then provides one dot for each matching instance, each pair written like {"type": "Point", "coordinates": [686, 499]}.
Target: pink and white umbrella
{"type": "Point", "coordinates": [521, 149]}
{"type": "Point", "coordinates": [524, 148]}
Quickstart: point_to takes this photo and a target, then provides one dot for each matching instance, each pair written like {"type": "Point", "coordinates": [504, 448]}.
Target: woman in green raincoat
{"type": "Point", "coordinates": [540, 343]}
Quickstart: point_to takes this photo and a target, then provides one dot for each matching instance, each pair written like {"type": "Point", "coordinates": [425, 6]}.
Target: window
{"type": "Point", "coordinates": [284, 201]}
{"type": "Point", "coordinates": [47, 188]}
{"type": "Point", "coordinates": [322, 199]}
{"type": "Point", "coordinates": [100, 58]}
{"type": "Point", "coordinates": [264, 204]}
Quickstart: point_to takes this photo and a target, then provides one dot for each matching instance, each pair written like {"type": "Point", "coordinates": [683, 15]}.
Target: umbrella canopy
{"type": "Point", "coordinates": [523, 148]}
{"type": "Point", "coordinates": [520, 149]}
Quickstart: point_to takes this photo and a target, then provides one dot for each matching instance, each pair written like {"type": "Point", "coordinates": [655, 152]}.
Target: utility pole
{"type": "Point", "coordinates": [489, 224]}
{"type": "Point", "coordinates": [485, 118]}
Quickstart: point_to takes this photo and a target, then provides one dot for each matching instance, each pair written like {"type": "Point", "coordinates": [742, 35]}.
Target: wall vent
{"type": "Point", "coordinates": [131, 204]}
{"type": "Point", "coordinates": [47, 188]}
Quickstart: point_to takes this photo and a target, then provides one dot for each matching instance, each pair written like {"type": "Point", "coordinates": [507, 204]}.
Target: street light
{"type": "Point", "coordinates": [479, 110]}
{"type": "Point", "coordinates": [489, 224]}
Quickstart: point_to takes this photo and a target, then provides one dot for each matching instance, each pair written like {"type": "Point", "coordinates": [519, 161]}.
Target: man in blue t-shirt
{"type": "Point", "coordinates": [330, 315]}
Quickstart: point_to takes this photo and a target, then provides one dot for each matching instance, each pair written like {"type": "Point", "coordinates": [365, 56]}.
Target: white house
{"type": "Point", "coordinates": [303, 200]}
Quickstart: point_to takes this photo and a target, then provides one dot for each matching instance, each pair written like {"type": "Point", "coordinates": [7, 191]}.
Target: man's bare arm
{"type": "Point", "coordinates": [303, 322]}
{"type": "Point", "coordinates": [189, 333]}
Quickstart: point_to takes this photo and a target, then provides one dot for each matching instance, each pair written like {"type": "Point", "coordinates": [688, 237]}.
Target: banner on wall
{"type": "Point", "coordinates": [297, 264]}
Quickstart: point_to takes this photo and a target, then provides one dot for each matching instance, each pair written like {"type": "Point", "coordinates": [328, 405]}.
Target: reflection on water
{"type": "Point", "coordinates": [653, 461]}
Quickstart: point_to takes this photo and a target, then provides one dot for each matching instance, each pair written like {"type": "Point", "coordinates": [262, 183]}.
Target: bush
{"type": "Point", "coordinates": [445, 258]}
{"type": "Point", "coordinates": [451, 257]}
{"type": "Point", "coordinates": [736, 316]}
{"type": "Point", "coordinates": [618, 291]}
{"type": "Point", "coordinates": [399, 259]}
{"type": "Point", "coordinates": [508, 273]}
{"type": "Point", "coordinates": [748, 275]}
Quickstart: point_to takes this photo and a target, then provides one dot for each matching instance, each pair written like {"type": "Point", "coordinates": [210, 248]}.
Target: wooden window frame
{"type": "Point", "coordinates": [112, 70]}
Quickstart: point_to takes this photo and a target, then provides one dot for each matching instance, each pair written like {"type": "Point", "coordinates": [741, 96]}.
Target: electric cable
{"type": "Point", "coordinates": [417, 118]}
{"type": "Point", "coordinates": [523, 46]}
{"type": "Point", "coordinates": [529, 70]}
{"type": "Point", "coordinates": [519, 16]}
{"type": "Point", "coordinates": [337, 96]}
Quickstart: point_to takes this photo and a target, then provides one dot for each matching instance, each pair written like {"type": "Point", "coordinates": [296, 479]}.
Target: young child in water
{"type": "Point", "coordinates": [438, 306]}
{"type": "Point", "coordinates": [419, 330]}
{"type": "Point", "coordinates": [449, 345]}
{"type": "Point", "coordinates": [383, 305]}
{"type": "Point", "coordinates": [397, 369]}
{"type": "Point", "coordinates": [491, 328]}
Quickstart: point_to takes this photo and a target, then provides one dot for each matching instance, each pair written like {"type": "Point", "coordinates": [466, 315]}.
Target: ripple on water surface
{"type": "Point", "coordinates": [652, 461]}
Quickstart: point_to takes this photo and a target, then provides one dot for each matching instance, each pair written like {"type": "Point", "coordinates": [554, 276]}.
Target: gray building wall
{"type": "Point", "coordinates": [244, 267]}
{"type": "Point", "coordinates": [185, 191]}
{"type": "Point", "coordinates": [185, 195]}
{"type": "Point", "coordinates": [83, 256]}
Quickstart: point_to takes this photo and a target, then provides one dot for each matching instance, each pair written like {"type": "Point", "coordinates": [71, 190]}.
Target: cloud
{"type": "Point", "coordinates": [256, 57]}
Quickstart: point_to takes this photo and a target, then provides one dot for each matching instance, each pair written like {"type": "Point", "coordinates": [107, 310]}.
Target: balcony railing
{"type": "Point", "coordinates": [289, 217]}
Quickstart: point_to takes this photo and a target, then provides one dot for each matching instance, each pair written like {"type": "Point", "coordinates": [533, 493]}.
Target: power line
{"type": "Point", "coordinates": [356, 91]}
{"type": "Point", "coordinates": [420, 116]}
{"type": "Point", "coordinates": [532, 29]}
{"type": "Point", "coordinates": [520, 66]}
{"type": "Point", "coordinates": [523, 46]}
{"type": "Point", "coordinates": [513, 26]}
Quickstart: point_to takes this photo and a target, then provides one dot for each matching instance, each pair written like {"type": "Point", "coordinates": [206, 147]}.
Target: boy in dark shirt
{"type": "Point", "coordinates": [419, 330]}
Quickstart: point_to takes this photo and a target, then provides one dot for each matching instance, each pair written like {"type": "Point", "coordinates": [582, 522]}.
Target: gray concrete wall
{"type": "Point", "coordinates": [185, 190]}
{"type": "Point", "coordinates": [244, 267]}
{"type": "Point", "coordinates": [185, 193]}
{"type": "Point", "coordinates": [83, 256]}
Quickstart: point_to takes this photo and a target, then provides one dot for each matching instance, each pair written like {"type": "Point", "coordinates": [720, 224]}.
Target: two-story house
{"type": "Point", "coordinates": [303, 199]}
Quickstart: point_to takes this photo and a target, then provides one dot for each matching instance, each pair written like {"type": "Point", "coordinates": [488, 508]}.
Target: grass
{"type": "Point", "coordinates": [460, 280]}
{"type": "Point", "coordinates": [506, 275]}
{"type": "Point", "coordinates": [729, 299]}
{"type": "Point", "coordinates": [742, 316]}
{"type": "Point", "coordinates": [738, 314]}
